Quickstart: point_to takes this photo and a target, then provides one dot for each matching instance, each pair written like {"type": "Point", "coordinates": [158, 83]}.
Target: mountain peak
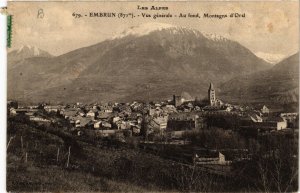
{"type": "Point", "coordinates": [147, 28]}
{"type": "Point", "coordinates": [26, 51]}
{"type": "Point", "coordinates": [214, 37]}
{"type": "Point", "coordinates": [144, 29]}
{"type": "Point", "coordinates": [35, 50]}
{"type": "Point", "coordinates": [170, 58]}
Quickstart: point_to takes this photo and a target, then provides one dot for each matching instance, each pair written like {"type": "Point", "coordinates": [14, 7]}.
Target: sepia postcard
{"type": "Point", "coordinates": [152, 96]}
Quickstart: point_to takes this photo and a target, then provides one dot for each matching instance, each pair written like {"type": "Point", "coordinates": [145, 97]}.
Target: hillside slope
{"type": "Point", "coordinates": [278, 85]}
{"type": "Point", "coordinates": [45, 171]}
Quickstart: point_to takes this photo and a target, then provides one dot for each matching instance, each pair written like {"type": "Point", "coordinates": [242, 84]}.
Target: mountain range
{"type": "Point", "coordinates": [277, 86]}
{"type": "Point", "coordinates": [146, 62]}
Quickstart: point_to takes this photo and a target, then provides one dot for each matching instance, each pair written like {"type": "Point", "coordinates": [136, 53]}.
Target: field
{"type": "Point", "coordinates": [37, 160]}
{"type": "Point", "coordinates": [49, 158]}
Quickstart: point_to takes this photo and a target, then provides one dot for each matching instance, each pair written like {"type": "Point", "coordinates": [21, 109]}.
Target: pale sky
{"type": "Point", "coordinates": [270, 27]}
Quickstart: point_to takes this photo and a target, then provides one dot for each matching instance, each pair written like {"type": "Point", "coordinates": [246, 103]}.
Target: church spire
{"type": "Point", "coordinates": [211, 86]}
{"type": "Point", "coordinates": [211, 95]}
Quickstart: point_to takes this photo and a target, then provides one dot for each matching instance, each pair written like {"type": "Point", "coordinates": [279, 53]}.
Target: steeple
{"type": "Point", "coordinates": [211, 86]}
{"type": "Point", "coordinates": [211, 95]}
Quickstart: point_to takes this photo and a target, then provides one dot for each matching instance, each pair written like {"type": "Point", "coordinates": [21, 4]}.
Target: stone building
{"type": "Point", "coordinates": [211, 95]}
{"type": "Point", "coordinates": [177, 100]}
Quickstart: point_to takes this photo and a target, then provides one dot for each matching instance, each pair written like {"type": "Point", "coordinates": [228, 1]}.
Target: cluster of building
{"type": "Point", "coordinates": [172, 117]}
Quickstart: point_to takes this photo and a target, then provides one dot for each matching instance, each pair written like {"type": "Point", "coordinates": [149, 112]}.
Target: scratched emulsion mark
{"type": "Point", "coordinates": [9, 31]}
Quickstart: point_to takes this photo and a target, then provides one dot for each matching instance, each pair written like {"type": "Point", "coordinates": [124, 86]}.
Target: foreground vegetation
{"type": "Point", "coordinates": [48, 158]}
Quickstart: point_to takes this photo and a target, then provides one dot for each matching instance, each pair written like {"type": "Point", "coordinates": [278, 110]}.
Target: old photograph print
{"type": "Point", "coordinates": [153, 96]}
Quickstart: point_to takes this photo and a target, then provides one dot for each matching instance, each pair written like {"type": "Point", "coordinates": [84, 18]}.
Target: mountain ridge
{"type": "Point", "coordinates": [278, 85]}
{"type": "Point", "coordinates": [161, 62]}
{"type": "Point", "coordinates": [24, 52]}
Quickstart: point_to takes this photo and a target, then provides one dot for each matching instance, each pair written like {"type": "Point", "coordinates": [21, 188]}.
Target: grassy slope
{"type": "Point", "coordinates": [93, 166]}
{"type": "Point", "coordinates": [42, 173]}
{"type": "Point", "coordinates": [32, 178]}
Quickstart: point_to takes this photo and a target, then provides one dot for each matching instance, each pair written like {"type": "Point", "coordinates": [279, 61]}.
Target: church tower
{"type": "Point", "coordinates": [211, 95]}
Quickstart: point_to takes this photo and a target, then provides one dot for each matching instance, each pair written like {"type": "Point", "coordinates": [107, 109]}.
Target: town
{"type": "Point", "coordinates": [211, 134]}
{"type": "Point", "coordinates": [169, 120]}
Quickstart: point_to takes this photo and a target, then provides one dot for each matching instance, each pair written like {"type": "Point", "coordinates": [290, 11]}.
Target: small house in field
{"type": "Point", "coordinates": [105, 132]}
{"type": "Point", "coordinates": [213, 159]}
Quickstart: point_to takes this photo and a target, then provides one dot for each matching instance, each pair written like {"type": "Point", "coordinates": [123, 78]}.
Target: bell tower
{"type": "Point", "coordinates": [211, 95]}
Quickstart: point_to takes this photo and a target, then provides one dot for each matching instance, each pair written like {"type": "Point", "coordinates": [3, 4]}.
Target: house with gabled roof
{"type": "Point", "coordinates": [265, 110]}
{"type": "Point", "coordinates": [92, 113]}
{"type": "Point", "coordinates": [83, 121]}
